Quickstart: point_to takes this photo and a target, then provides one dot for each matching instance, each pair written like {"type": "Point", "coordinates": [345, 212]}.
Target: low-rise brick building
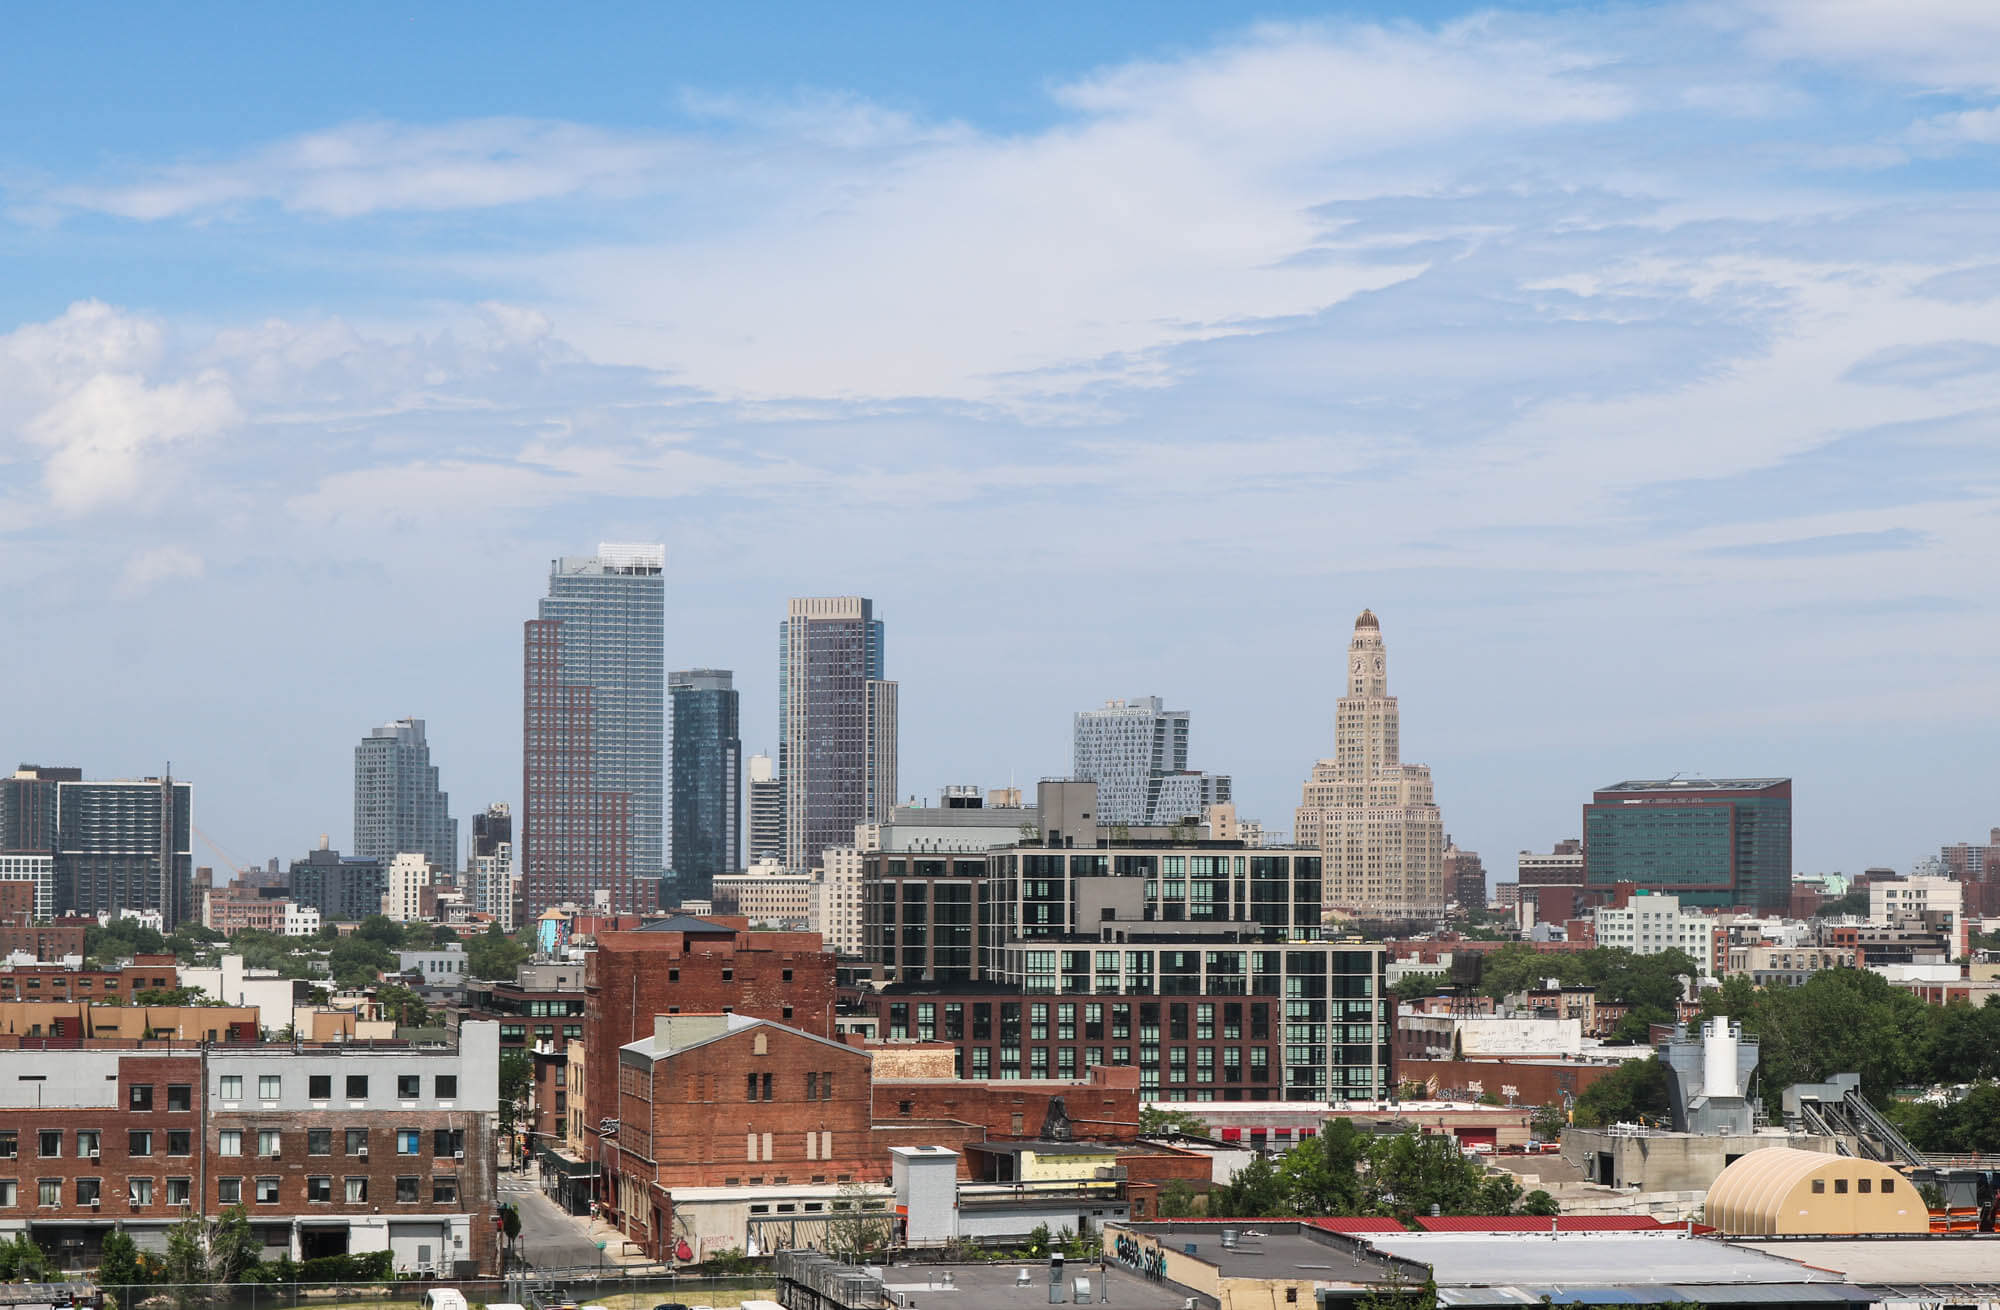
{"type": "Point", "coordinates": [733, 1101]}
{"type": "Point", "coordinates": [58, 982]}
{"type": "Point", "coordinates": [328, 1150]}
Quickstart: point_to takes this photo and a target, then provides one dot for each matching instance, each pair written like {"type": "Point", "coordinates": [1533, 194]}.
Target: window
{"type": "Point", "coordinates": [1819, 1186]}
{"type": "Point", "coordinates": [444, 1191]}
{"type": "Point", "coordinates": [179, 1191]}
{"type": "Point", "coordinates": [319, 1141]}
{"type": "Point", "coordinates": [826, 1086]}
{"type": "Point", "coordinates": [357, 1086]}
{"type": "Point", "coordinates": [138, 1143]}
{"type": "Point", "coordinates": [319, 1188]}
{"type": "Point", "coordinates": [267, 1191]}
{"type": "Point", "coordinates": [409, 1141]}
{"type": "Point", "coordinates": [447, 1085]}
{"type": "Point", "coordinates": [409, 1086]}
{"type": "Point", "coordinates": [141, 1096]}
{"type": "Point", "coordinates": [812, 1087]}
{"type": "Point", "coordinates": [1888, 1186]}
{"type": "Point", "coordinates": [357, 1191]}
{"type": "Point", "coordinates": [229, 1191]}
{"type": "Point", "coordinates": [88, 1144]}
{"type": "Point", "coordinates": [229, 1142]}
{"type": "Point", "coordinates": [357, 1141]}
{"type": "Point", "coordinates": [406, 1191]}
{"type": "Point", "coordinates": [10, 1144]}
{"type": "Point", "coordinates": [1840, 1187]}
{"type": "Point", "coordinates": [319, 1086]}
{"type": "Point", "coordinates": [9, 1194]}
{"type": "Point", "coordinates": [140, 1190]}
{"type": "Point", "coordinates": [48, 1191]}
{"type": "Point", "coordinates": [232, 1087]}
{"type": "Point", "coordinates": [268, 1142]}
{"type": "Point", "coordinates": [749, 1086]}
{"type": "Point", "coordinates": [180, 1096]}
{"type": "Point", "coordinates": [270, 1086]}
{"type": "Point", "coordinates": [1864, 1185]}
{"type": "Point", "coordinates": [447, 1142]}
{"type": "Point", "coordinates": [180, 1141]}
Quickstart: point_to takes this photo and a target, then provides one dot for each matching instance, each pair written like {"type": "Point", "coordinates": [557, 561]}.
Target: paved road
{"type": "Point", "coordinates": [549, 1239]}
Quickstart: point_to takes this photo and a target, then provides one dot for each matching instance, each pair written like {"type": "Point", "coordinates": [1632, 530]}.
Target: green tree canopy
{"type": "Point", "coordinates": [1155, 1122]}
{"type": "Point", "coordinates": [493, 956]}
{"type": "Point", "coordinates": [1634, 1090]}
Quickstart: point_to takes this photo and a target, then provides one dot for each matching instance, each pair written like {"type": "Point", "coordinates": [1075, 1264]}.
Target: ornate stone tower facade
{"type": "Point", "coordinates": [1374, 818]}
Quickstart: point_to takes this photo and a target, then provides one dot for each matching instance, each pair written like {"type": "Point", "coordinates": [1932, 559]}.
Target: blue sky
{"type": "Point", "coordinates": [1637, 364]}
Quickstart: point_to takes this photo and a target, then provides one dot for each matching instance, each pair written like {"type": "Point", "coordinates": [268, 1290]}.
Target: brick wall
{"type": "Point", "coordinates": [1104, 1108]}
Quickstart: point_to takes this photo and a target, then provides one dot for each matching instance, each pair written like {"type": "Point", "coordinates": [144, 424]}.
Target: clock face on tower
{"type": "Point", "coordinates": [1378, 663]}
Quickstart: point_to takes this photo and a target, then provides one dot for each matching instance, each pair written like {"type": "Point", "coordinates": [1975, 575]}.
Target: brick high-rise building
{"type": "Point", "coordinates": [837, 714]}
{"type": "Point", "coordinates": [593, 765]}
{"type": "Point", "coordinates": [1373, 817]}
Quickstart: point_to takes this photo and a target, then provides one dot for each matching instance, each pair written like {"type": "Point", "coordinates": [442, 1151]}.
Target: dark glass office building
{"type": "Point", "coordinates": [1710, 841]}
{"type": "Point", "coordinates": [125, 845]}
{"type": "Point", "coordinates": [343, 888]}
{"type": "Point", "coordinates": [706, 793]}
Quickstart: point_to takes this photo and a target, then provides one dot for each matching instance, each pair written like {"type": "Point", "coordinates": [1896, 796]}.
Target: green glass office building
{"type": "Point", "coordinates": [1710, 841]}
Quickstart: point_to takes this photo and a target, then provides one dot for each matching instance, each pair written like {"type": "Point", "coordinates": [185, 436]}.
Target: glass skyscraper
{"type": "Point", "coordinates": [837, 717]}
{"type": "Point", "coordinates": [398, 807]}
{"type": "Point", "coordinates": [707, 789]}
{"type": "Point", "coordinates": [1710, 841]}
{"type": "Point", "coordinates": [594, 675]}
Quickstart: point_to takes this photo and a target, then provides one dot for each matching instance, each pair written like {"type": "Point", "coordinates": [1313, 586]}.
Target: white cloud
{"type": "Point", "coordinates": [371, 167]}
{"type": "Point", "coordinates": [73, 396]}
{"type": "Point", "coordinates": [153, 565]}
{"type": "Point", "coordinates": [1942, 44]}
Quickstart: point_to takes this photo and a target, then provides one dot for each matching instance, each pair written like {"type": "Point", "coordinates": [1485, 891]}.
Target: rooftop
{"type": "Point", "coordinates": [1680, 783]}
{"type": "Point", "coordinates": [1271, 1249]}
{"type": "Point", "coordinates": [1578, 1261]}
{"type": "Point", "coordinates": [1903, 1262]}
{"type": "Point", "coordinates": [999, 1284]}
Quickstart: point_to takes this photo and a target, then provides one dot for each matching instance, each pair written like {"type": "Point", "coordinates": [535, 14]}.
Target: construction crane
{"type": "Point", "coordinates": [228, 860]}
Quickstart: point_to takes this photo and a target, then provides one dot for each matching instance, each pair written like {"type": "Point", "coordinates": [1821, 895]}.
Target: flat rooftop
{"type": "Point", "coordinates": [1271, 1249]}
{"type": "Point", "coordinates": [1939, 1264]}
{"type": "Point", "coordinates": [1590, 1260]}
{"type": "Point", "coordinates": [974, 1287]}
{"type": "Point", "coordinates": [1695, 784]}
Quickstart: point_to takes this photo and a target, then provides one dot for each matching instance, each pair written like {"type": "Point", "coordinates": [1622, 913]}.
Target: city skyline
{"type": "Point", "coordinates": [1660, 457]}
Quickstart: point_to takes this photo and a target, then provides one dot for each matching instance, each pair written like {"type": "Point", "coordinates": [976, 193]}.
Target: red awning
{"type": "Point", "coordinates": [1232, 1134]}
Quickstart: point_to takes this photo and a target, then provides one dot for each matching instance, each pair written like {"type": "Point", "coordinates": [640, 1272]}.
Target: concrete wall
{"type": "Point", "coordinates": [1669, 1162]}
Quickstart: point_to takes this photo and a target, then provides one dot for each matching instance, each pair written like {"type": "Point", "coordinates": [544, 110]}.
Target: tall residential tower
{"type": "Point", "coordinates": [593, 731]}
{"type": "Point", "coordinates": [837, 716]}
{"type": "Point", "coordinates": [398, 807]}
{"type": "Point", "coordinates": [1373, 817]}
{"type": "Point", "coordinates": [707, 780]}
{"type": "Point", "coordinates": [1136, 751]}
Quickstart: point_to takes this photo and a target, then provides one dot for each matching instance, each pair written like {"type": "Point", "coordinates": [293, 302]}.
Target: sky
{"type": "Point", "coordinates": [1639, 365]}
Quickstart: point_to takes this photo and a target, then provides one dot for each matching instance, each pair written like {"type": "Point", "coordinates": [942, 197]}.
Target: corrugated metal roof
{"type": "Point", "coordinates": [1356, 1224]}
{"type": "Point", "coordinates": [1527, 1223]}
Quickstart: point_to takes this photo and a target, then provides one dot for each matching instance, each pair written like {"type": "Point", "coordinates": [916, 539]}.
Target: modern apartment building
{"type": "Point", "coordinates": [767, 810]}
{"type": "Point", "coordinates": [492, 886]}
{"type": "Point", "coordinates": [1921, 902]}
{"type": "Point", "coordinates": [343, 888]}
{"type": "Point", "coordinates": [837, 711]}
{"type": "Point", "coordinates": [398, 806]}
{"type": "Point", "coordinates": [593, 762]}
{"type": "Point", "coordinates": [28, 830]}
{"type": "Point", "coordinates": [1126, 748]}
{"type": "Point", "coordinates": [1710, 841]}
{"type": "Point", "coordinates": [1648, 924]}
{"type": "Point", "coordinates": [1374, 819]}
{"type": "Point", "coordinates": [327, 1150]}
{"type": "Point", "coordinates": [125, 846]}
{"type": "Point", "coordinates": [707, 792]}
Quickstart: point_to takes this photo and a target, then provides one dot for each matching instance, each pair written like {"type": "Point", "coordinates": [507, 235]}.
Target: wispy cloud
{"type": "Point", "coordinates": [1835, 544]}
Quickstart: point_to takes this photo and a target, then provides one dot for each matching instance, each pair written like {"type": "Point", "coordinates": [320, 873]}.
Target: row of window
{"type": "Point", "coordinates": [319, 1087]}
{"type": "Point", "coordinates": [516, 1034]}
{"type": "Point", "coordinates": [269, 1142]}
{"type": "Point", "coordinates": [228, 1191]}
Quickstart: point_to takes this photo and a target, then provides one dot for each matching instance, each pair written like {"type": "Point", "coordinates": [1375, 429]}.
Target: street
{"type": "Point", "coordinates": [549, 1238]}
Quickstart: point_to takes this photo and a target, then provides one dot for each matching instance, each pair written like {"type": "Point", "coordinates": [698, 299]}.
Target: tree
{"type": "Point", "coordinates": [1635, 1089]}
{"type": "Point", "coordinates": [443, 935]}
{"type": "Point", "coordinates": [22, 1259]}
{"type": "Point", "coordinates": [1548, 1122]}
{"type": "Point", "coordinates": [1541, 1203]}
{"type": "Point", "coordinates": [381, 929]}
{"type": "Point", "coordinates": [1411, 1172]}
{"type": "Point", "coordinates": [493, 955]}
{"type": "Point", "coordinates": [858, 1225]}
{"type": "Point", "coordinates": [121, 939]}
{"type": "Point", "coordinates": [1176, 1199]}
{"type": "Point", "coordinates": [517, 1081]}
{"type": "Point", "coordinates": [1258, 1191]}
{"type": "Point", "coordinates": [357, 961]}
{"type": "Point", "coordinates": [403, 1005]}
{"type": "Point", "coordinates": [1396, 1292]}
{"type": "Point", "coordinates": [1852, 903]}
{"type": "Point", "coordinates": [1636, 1028]}
{"type": "Point", "coordinates": [204, 1255]}
{"type": "Point", "coordinates": [1322, 1173]}
{"type": "Point", "coordinates": [118, 1266]}
{"type": "Point", "coordinates": [1168, 1123]}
